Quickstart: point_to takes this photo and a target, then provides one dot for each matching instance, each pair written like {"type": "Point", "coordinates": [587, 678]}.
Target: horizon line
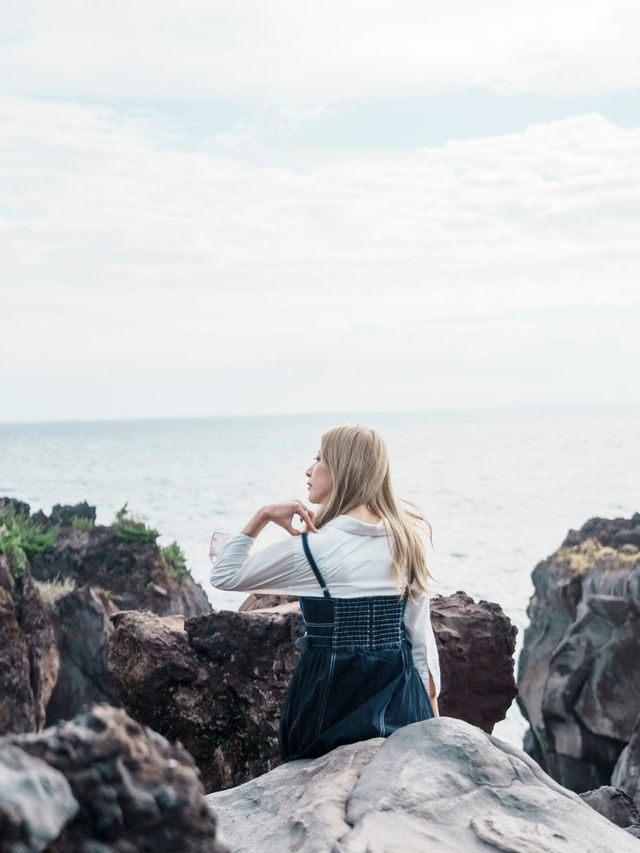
{"type": "Point", "coordinates": [562, 407]}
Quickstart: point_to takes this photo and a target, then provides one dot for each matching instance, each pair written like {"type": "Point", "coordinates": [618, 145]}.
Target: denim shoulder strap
{"type": "Point", "coordinates": [312, 563]}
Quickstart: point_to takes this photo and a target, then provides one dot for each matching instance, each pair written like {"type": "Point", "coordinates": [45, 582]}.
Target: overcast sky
{"type": "Point", "coordinates": [239, 207]}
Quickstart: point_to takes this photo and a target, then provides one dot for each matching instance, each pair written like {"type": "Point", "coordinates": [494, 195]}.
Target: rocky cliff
{"type": "Point", "coordinates": [61, 578]}
{"type": "Point", "coordinates": [579, 671]}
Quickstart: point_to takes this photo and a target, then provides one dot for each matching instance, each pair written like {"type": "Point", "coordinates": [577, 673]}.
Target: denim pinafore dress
{"type": "Point", "coordinates": [355, 679]}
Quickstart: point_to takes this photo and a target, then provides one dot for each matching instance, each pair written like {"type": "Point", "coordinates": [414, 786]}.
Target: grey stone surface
{"type": "Point", "coordinates": [614, 804]}
{"type": "Point", "coordinates": [441, 785]}
{"type": "Point", "coordinates": [35, 801]}
{"type": "Point", "coordinates": [626, 773]}
{"type": "Point", "coordinates": [304, 802]}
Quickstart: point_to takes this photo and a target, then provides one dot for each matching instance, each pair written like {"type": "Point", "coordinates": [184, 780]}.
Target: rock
{"type": "Point", "coordinates": [44, 658]}
{"type": "Point", "coordinates": [608, 532]}
{"type": "Point", "coordinates": [35, 801]}
{"type": "Point", "coordinates": [614, 804]}
{"type": "Point", "coordinates": [28, 655]}
{"type": "Point", "coordinates": [260, 601]}
{"type": "Point", "coordinates": [19, 507]}
{"type": "Point", "coordinates": [16, 696]}
{"type": "Point", "coordinates": [579, 671]}
{"type": "Point", "coordinates": [439, 785]}
{"type": "Point", "coordinates": [626, 773]}
{"type": "Point", "coordinates": [64, 514]}
{"type": "Point", "coordinates": [130, 573]}
{"type": "Point", "coordinates": [134, 791]}
{"type": "Point", "coordinates": [476, 642]}
{"type": "Point", "coordinates": [83, 629]}
{"type": "Point", "coordinates": [216, 686]}
{"type": "Point", "coordinates": [308, 801]}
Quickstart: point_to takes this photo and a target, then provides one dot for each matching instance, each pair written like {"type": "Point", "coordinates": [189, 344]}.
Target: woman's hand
{"type": "Point", "coordinates": [281, 514]}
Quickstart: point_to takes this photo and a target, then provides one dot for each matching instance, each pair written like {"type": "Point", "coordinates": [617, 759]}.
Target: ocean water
{"type": "Point", "coordinates": [500, 487]}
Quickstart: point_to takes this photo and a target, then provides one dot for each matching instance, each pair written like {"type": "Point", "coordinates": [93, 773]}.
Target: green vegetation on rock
{"type": "Point", "coordinates": [175, 562]}
{"type": "Point", "coordinates": [79, 523]}
{"type": "Point", "coordinates": [133, 530]}
{"type": "Point", "coordinates": [21, 539]}
{"type": "Point", "coordinates": [583, 557]}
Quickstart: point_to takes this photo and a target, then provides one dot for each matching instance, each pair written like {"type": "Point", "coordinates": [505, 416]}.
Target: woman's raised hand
{"type": "Point", "coordinates": [283, 515]}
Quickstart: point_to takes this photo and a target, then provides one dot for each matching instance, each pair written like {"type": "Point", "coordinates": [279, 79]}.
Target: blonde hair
{"type": "Point", "coordinates": [358, 462]}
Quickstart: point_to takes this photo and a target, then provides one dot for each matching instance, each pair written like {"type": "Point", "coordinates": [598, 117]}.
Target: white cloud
{"type": "Point", "coordinates": [285, 50]}
{"type": "Point", "coordinates": [122, 253]}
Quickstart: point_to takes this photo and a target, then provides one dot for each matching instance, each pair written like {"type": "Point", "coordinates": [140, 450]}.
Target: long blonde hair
{"type": "Point", "coordinates": [358, 463]}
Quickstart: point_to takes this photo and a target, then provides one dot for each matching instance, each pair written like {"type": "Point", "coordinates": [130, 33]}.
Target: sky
{"type": "Point", "coordinates": [213, 208]}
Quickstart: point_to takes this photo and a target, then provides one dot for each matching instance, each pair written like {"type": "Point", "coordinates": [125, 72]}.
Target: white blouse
{"type": "Point", "coordinates": [354, 559]}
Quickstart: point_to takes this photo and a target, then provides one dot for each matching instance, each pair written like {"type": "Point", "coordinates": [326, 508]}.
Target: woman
{"type": "Point", "coordinates": [369, 662]}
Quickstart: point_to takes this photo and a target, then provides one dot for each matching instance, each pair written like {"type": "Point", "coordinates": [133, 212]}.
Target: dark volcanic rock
{"type": "Point", "coordinates": [217, 687]}
{"type": "Point", "coordinates": [134, 790]}
{"type": "Point", "coordinates": [28, 655]}
{"type": "Point", "coordinates": [83, 630]}
{"type": "Point", "coordinates": [16, 696]}
{"type": "Point", "coordinates": [19, 507]}
{"type": "Point", "coordinates": [112, 568]}
{"type": "Point", "coordinates": [614, 804]}
{"type": "Point", "coordinates": [64, 514]}
{"type": "Point", "coordinates": [475, 642]}
{"type": "Point", "coordinates": [609, 532]}
{"type": "Point", "coordinates": [44, 658]}
{"type": "Point", "coordinates": [579, 671]}
{"type": "Point", "coordinates": [133, 574]}
{"type": "Point", "coordinates": [35, 801]}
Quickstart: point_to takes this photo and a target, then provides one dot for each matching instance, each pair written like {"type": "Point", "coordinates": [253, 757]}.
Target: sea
{"type": "Point", "coordinates": [500, 487]}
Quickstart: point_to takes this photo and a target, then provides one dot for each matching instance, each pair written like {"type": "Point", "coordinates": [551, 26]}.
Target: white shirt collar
{"type": "Point", "coordinates": [361, 528]}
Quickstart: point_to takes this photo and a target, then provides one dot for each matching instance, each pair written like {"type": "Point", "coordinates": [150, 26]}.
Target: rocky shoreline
{"type": "Point", "coordinates": [151, 699]}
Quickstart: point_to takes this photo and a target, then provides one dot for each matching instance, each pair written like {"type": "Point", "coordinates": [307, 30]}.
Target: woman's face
{"type": "Point", "coordinates": [319, 480]}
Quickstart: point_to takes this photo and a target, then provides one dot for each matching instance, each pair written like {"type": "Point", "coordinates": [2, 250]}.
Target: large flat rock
{"type": "Point", "coordinates": [440, 785]}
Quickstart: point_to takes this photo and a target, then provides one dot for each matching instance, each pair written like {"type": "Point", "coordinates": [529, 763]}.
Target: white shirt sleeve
{"type": "Point", "coordinates": [279, 568]}
{"type": "Point", "coordinates": [417, 619]}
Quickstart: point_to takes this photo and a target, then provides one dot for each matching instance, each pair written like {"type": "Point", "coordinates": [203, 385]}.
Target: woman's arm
{"type": "Point", "coordinates": [277, 568]}
{"type": "Point", "coordinates": [424, 650]}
